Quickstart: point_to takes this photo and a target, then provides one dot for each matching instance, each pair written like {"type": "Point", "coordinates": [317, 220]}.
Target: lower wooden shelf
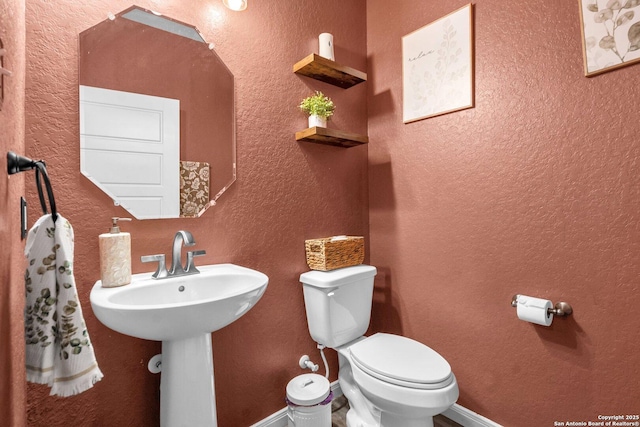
{"type": "Point", "coordinates": [327, 136]}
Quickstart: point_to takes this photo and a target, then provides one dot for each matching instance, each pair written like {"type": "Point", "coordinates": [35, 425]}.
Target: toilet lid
{"type": "Point", "coordinates": [402, 361]}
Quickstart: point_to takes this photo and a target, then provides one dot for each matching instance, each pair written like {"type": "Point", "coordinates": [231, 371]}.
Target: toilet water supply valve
{"type": "Point", "coordinates": [306, 363]}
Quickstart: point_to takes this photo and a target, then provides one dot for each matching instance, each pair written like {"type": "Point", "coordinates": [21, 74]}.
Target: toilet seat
{"type": "Point", "coordinates": [401, 361]}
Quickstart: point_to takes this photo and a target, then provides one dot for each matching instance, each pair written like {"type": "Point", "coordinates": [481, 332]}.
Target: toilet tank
{"type": "Point", "coordinates": [338, 303]}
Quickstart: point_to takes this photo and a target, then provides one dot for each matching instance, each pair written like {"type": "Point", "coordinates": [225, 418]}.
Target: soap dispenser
{"type": "Point", "coordinates": [115, 256]}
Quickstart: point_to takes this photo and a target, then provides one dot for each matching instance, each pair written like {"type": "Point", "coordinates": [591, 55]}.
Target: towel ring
{"type": "Point", "coordinates": [17, 164]}
{"type": "Point", "coordinates": [41, 169]}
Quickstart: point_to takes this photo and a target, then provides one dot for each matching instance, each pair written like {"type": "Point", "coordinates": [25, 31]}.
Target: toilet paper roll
{"type": "Point", "coordinates": [534, 310]}
{"type": "Point", "coordinates": [326, 46]}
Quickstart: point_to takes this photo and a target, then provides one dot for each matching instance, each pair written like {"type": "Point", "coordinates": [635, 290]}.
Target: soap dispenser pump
{"type": "Point", "coordinates": [115, 256]}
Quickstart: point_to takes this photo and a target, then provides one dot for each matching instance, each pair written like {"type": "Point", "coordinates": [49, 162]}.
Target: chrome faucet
{"type": "Point", "coordinates": [182, 238]}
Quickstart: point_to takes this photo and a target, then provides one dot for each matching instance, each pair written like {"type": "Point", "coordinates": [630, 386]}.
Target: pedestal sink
{"type": "Point", "coordinates": [182, 312]}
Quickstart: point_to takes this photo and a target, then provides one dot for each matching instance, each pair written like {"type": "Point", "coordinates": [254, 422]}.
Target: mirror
{"type": "Point", "coordinates": [157, 115]}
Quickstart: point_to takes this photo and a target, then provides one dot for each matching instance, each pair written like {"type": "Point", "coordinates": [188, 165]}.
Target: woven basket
{"type": "Point", "coordinates": [331, 253]}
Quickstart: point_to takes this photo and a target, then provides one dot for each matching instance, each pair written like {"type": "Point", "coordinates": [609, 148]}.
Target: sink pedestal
{"type": "Point", "coordinates": [182, 311]}
{"type": "Point", "coordinates": [187, 395]}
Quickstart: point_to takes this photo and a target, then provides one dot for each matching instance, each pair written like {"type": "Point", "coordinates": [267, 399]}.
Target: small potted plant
{"type": "Point", "coordinates": [319, 108]}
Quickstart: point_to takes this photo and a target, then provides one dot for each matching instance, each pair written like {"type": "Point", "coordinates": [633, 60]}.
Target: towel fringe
{"type": "Point", "coordinates": [76, 386]}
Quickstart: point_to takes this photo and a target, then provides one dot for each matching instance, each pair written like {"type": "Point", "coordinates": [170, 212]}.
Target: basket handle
{"type": "Point", "coordinates": [315, 247]}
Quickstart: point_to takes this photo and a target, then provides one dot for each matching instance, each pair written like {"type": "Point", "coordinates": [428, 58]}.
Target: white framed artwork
{"type": "Point", "coordinates": [610, 34]}
{"type": "Point", "coordinates": [438, 68]}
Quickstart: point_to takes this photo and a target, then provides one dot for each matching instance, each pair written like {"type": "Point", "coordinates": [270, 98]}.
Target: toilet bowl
{"type": "Point", "coordinates": [389, 380]}
{"type": "Point", "coordinates": [406, 380]}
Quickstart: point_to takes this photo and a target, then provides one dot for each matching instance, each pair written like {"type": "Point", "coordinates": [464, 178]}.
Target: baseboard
{"type": "Point", "coordinates": [457, 413]}
{"type": "Point", "coordinates": [468, 418]}
{"type": "Point", "coordinates": [278, 419]}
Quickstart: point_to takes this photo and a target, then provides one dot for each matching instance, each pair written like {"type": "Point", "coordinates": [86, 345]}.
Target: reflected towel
{"type": "Point", "coordinates": [58, 348]}
{"type": "Point", "coordinates": [194, 188]}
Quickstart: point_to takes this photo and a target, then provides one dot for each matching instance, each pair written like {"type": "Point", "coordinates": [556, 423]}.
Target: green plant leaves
{"type": "Point", "coordinates": [318, 104]}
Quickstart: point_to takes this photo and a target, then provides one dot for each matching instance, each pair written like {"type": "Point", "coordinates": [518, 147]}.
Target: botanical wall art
{"type": "Point", "coordinates": [437, 67]}
{"type": "Point", "coordinates": [611, 34]}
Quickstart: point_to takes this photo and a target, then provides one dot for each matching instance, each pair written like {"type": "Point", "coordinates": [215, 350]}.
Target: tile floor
{"type": "Point", "coordinates": [340, 406]}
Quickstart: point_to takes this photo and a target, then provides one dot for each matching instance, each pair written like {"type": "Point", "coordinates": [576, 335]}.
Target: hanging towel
{"type": "Point", "coordinates": [194, 188]}
{"type": "Point", "coordinates": [58, 348]}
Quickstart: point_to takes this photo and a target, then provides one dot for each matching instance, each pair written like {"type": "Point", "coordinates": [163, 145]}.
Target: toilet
{"type": "Point", "coordinates": [389, 380]}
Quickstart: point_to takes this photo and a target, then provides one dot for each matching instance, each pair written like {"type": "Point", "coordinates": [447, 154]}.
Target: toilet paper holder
{"type": "Point", "coordinates": [560, 309]}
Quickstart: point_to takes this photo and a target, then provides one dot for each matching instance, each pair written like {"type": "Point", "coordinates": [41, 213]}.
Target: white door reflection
{"type": "Point", "coordinates": [129, 144]}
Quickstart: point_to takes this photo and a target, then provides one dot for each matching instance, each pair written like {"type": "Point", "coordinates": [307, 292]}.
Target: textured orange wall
{"type": "Point", "coordinates": [12, 374]}
{"type": "Point", "coordinates": [286, 192]}
{"type": "Point", "coordinates": [535, 190]}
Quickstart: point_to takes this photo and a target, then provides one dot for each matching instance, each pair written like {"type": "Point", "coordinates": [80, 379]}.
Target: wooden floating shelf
{"type": "Point", "coordinates": [326, 136]}
{"type": "Point", "coordinates": [329, 71]}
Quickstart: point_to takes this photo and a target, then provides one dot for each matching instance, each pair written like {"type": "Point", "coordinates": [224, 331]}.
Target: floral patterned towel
{"type": "Point", "coordinates": [194, 188]}
{"type": "Point", "coordinates": [59, 351]}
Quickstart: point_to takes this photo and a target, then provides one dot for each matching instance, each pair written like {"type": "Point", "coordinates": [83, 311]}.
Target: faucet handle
{"type": "Point", "coordinates": [161, 271]}
{"type": "Point", "coordinates": [191, 267]}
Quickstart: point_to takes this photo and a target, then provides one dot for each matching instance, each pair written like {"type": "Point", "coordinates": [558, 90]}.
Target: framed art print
{"type": "Point", "coordinates": [610, 34]}
{"type": "Point", "coordinates": [437, 67]}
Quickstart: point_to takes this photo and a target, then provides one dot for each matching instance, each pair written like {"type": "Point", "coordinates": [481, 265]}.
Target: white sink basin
{"type": "Point", "coordinates": [179, 307]}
